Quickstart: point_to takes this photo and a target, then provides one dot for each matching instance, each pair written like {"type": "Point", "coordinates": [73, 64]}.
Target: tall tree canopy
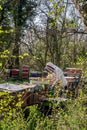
{"type": "Point", "coordinates": [16, 14]}
{"type": "Point", "coordinates": [81, 6]}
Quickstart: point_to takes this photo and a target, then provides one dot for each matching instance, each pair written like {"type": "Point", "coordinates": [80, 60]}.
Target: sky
{"type": "Point", "coordinates": [41, 17]}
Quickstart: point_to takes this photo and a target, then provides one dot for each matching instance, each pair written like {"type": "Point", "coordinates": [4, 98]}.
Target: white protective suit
{"type": "Point", "coordinates": [57, 72]}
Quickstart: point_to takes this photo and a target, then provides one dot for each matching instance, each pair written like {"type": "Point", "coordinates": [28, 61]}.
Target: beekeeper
{"type": "Point", "coordinates": [55, 75]}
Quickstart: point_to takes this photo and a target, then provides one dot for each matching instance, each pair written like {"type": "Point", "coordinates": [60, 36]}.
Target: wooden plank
{"type": "Point", "coordinates": [54, 99]}
{"type": "Point", "coordinates": [17, 88]}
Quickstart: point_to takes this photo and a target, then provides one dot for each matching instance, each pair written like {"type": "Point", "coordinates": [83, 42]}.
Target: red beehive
{"type": "Point", "coordinates": [25, 72]}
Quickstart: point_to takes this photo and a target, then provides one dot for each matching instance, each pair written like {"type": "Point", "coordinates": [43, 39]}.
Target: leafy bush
{"type": "Point", "coordinates": [72, 116]}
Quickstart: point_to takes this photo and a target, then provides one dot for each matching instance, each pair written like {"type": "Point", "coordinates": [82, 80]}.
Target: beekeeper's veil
{"type": "Point", "coordinates": [50, 67]}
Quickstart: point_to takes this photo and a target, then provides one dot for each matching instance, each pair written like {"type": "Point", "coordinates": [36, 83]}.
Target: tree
{"type": "Point", "coordinates": [22, 13]}
{"type": "Point", "coordinates": [81, 6]}
{"type": "Point", "coordinates": [17, 13]}
{"type": "Point", "coordinates": [6, 32]}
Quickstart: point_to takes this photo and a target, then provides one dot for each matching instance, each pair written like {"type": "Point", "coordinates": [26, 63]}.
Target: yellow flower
{"type": "Point", "coordinates": [21, 57]}
{"type": "Point", "coordinates": [1, 7]}
{"type": "Point", "coordinates": [6, 52]}
{"type": "Point", "coordinates": [25, 54]}
{"type": "Point", "coordinates": [0, 64]}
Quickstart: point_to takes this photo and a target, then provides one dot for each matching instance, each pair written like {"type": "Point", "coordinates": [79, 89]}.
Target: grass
{"type": "Point", "coordinates": [70, 115]}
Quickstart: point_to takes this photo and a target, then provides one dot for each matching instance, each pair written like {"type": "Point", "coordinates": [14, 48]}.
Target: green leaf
{"type": "Point", "coordinates": [51, 0]}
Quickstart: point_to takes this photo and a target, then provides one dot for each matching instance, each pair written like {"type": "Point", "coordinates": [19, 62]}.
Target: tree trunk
{"type": "Point", "coordinates": [18, 26]}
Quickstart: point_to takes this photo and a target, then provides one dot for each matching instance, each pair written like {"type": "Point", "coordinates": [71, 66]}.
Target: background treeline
{"type": "Point", "coordinates": [33, 32]}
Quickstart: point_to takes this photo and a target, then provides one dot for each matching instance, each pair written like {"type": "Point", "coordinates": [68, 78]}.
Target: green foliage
{"type": "Point", "coordinates": [70, 114]}
{"type": "Point", "coordinates": [73, 114]}
{"type": "Point", "coordinates": [55, 13]}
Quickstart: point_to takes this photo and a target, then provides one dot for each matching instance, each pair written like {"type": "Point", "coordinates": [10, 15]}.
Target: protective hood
{"type": "Point", "coordinates": [50, 67]}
